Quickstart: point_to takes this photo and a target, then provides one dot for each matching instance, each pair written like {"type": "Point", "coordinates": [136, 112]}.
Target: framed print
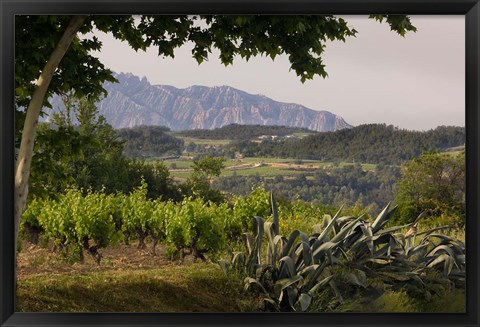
{"type": "Point", "coordinates": [239, 163]}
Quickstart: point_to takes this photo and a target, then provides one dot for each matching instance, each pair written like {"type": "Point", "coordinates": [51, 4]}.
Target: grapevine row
{"type": "Point", "coordinates": [78, 222]}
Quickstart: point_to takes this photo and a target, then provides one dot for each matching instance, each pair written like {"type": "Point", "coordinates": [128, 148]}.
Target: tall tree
{"type": "Point", "coordinates": [200, 181]}
{"type": "Point", "coordinates": [434, 182]}
{"type": "Point", "coordinates": [51, 58]}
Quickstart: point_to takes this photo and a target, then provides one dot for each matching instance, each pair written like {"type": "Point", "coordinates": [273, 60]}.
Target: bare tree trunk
{"type": "Point", "coordinates": [25, 154]}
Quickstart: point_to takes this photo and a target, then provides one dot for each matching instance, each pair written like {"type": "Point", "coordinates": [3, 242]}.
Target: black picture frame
{"type": "Point", "coordinates": [10, 8]}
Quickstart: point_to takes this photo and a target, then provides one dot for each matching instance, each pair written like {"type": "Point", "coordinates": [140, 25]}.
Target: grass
{"type": "Point", "coordinates": [304, 134]}
{"type": "Point", "coordinates": [459, 148]}
{"type": "Point", "coordinates": [127, 280]}
{"type": "Point", "coordinates": [131, 280]}
{"type": "Point", "coordinates": [263, 171]}
{"type": "Point", "coordinates": [210, 142]}
{"type": "Point", "coordinates": [179, 163]}
{"type": "Point", "coordinates": [399, 301]}
{"type": "Point", "coordinates": [196, 287]}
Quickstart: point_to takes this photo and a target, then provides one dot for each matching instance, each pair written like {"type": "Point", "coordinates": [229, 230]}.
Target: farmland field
{"type": "Point", "coordinates": [199, 141]}
{"type": "Point", "coordinates": [267, 167]}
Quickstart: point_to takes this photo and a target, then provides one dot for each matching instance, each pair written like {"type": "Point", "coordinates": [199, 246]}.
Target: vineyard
{"type": "Point", "coordinates": [289, 256]}
{"type": "Point", "coordinates": [242, 218]}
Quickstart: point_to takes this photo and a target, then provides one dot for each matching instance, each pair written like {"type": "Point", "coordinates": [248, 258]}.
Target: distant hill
{"type": "Point", "coordinates": [241, 132]}
{"type": "Point", "coordinates": [134, 102]}
{"type": "Point", "coordinates": [373, 143]}
{"type": "Point", "coordinates": [370, 143]}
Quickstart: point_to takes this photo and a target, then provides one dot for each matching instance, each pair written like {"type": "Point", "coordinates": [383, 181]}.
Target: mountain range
{"type": "Point", "coordinates": [135, 101]}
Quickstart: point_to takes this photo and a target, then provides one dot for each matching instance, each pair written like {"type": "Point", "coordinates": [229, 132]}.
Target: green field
{"type": "Point", "coordinates": [267, 167]}
{"type": "Point", "coordinates": [189, 140]}
{"type": "Point", "coordinates": [303, 134]}
{"type": "Point", "coordinates": [455, 150]}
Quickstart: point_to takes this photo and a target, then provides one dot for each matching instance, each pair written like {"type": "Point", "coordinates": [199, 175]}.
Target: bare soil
{"type": "Point", "coordinates": [38, 260]}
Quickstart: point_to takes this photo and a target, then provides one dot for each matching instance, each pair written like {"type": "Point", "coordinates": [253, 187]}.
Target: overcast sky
{"type": "Point", "coordinates": [416, 82]}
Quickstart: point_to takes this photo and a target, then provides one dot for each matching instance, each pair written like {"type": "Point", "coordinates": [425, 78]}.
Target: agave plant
{"type": "Point", "coordinates": [398, 253]}
{"type": "Point", "coordinates": [288, 271]}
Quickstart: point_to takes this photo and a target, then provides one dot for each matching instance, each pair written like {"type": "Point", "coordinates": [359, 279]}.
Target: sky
{"type": "Point", "coordinates": [416, 82]}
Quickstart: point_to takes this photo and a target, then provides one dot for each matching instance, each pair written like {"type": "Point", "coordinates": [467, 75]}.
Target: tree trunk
{"type": "Point", "coordinates": [25, 154]}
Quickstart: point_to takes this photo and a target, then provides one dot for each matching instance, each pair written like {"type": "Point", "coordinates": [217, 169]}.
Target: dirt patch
{"type": "Point", "coordinates": [38, 260]}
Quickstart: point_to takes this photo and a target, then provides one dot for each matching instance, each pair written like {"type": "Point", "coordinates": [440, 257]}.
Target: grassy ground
{"type": "Point", "coordinates": [133, 280]}
{"type": "Point", "coordinates": [128, 280]}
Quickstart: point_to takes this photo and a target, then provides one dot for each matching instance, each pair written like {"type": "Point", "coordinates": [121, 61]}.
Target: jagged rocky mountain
{"type": "Point", "coordinates": [134, 101]}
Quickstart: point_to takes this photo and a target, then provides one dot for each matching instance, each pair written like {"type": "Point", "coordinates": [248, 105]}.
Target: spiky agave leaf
{"type": "Point", "coordinates": [249, 242]}
{"type": "Point", "coordinates": [276, 221]}
{"type": "Point", "coordinates": [303, 252]}
{"type": "Point", "coordinates": [329, 226]}
{"type": "Point", "coordinates": [303, 302]}
{"type": "Point", "coordinates": [275, 244]}
{"type": "Point", "coordinates": [448, 263]}
{"type": "Point", "coordinates": [287, 267]}
{"type": "Point", "coordinates": [343, 233]}
{"type": "Point", "coordinates": [252, 281]}
{"type": "Point", "coordinates": [291, 241]}
{"type": "Point", "coordinates": [282, 284]}
{"type": "Point", "coordinates": [383, 217]}
{"type": "Point", "coordinates": [320, 250]}
{"type": "Point", "coordinates": [225, 266]}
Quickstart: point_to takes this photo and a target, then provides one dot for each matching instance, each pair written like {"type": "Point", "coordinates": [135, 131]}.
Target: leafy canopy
{"type": "Point", "coordinates": [434, 182]}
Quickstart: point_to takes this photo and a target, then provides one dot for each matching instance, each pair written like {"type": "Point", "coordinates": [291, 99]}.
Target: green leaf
{"type": "Point", "coordinates": [448, 263]}
{"type": "Point", "coordinates": [287, 268]}
{"type": "Point", "coordinates": [303, 302]}
{"type": "Point", "coordinates": [320, 251]}
{"type": "Point", "coordinates": [225, 266]}
{"type": "Point", "coordinates": [353, 279]}
{"type": "Point", "coordinates": [321, 283]}
{"type": "Point", "coordinates": [383, 218]}
{"type": "Point", "coordinates": [276, 222]}
{"type": "Point", "coordinates": [345, 231]}
{"type": "Point", "coordinates": [249, 281]}
{"type": "Point", "coordinates": [281, 284]}
{"type": "Point", "coordinates": [315, 275]}
{"type": "Point", "coordinates": [290, 243]}
{"type": "Point", "coordinates": [330, 225]}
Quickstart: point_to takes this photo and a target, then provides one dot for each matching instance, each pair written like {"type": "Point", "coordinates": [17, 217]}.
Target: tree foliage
{"type": "Point", "coordinates": [199, 183]}
{"type": "Point", "coordinates": [78, 148]}
{"type": "Point", "coordinates": [149, 141]}
{"type": "Point", "coordinates": [435, 183]}
{"type": "Point", "coordinates": [331, 186]}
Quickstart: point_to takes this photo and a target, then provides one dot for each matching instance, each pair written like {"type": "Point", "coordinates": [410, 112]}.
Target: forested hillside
{"type": "Point", "coordinates": [242, 132]}
{"type": "Point", "coordinates": [149, 141]}
{"type": "Point", "coordinates": [333, 186]}
{"type": "Point", "coordinates": [372, 143]}
{"type": "Point", "coordinates": [375, 143]}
